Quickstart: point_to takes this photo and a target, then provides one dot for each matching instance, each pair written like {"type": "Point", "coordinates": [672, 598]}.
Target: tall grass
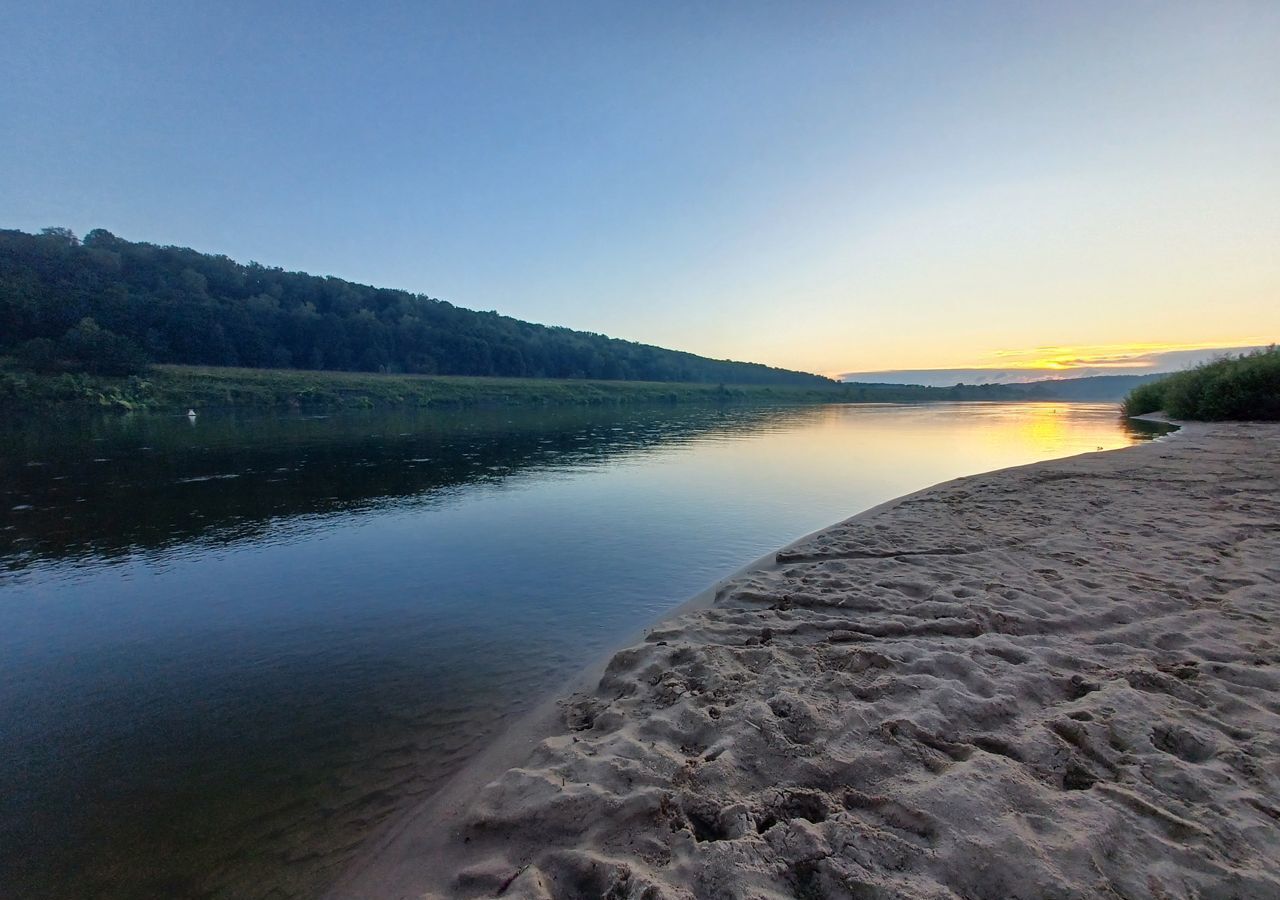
{"type": "Point", "coordinates": [177, 388]}
{"type": "Point", "coordinates": [1241, 387]}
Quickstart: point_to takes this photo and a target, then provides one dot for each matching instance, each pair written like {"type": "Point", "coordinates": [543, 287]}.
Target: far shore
{"type": "Point", "coordinates": [175, 389]}
{"type": "Point", "coordinates": [1051, 680]}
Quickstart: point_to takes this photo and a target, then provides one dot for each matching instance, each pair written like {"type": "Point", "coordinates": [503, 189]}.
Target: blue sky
{"type": "Point", "coordinates": [833, 187]}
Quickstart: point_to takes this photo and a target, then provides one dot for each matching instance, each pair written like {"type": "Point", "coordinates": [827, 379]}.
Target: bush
{"type": "Point", "coordinates": [38, 355]}
{"type": "Point", "coordinates": [101, 352]}
{"type": "Point", "coordinates": [1146, 398]}
{"type": "Point", "coordinates": [1242, 388]}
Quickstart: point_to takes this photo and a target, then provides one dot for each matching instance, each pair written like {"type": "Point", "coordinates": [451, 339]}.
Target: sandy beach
{"type": "Point", "coordinates": [1058, 680]}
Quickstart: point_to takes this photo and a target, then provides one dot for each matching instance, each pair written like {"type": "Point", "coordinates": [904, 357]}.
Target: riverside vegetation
{"type": "Point", "coordinates": [175, 388]}
{"type": "Point", "coordinates": [1245, 387]}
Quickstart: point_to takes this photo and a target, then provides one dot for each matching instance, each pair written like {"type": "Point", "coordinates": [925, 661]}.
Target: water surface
{"type": "Point", "coordinates": [229, 649]}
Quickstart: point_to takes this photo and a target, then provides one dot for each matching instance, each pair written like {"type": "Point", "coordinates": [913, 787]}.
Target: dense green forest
{"type": "Point", "coordinates": [109, 306]}
{"type": "Point", "coordinates": [80, 320]}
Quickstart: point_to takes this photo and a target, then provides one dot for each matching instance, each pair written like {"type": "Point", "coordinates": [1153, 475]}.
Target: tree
{"type": "Point", "coordinates": [102, 352]}
{"type": "Point", "coordinates": [38, 355]}
{"type": "Point", "coordinates": [64, 235]}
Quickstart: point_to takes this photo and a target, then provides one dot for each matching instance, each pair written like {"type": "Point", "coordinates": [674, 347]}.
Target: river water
{"type": "Point", "coordinates": [231, 648]}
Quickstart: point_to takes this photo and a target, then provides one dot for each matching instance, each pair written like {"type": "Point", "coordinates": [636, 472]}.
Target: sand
{"type": "Point", "coordinates": [1060, 680]}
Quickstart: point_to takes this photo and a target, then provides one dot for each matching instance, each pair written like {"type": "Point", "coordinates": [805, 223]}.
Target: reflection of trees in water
{"type": "Point", "coordinates": [106, 487]}
{"type": "Point", "coordinates": [1141, 428]}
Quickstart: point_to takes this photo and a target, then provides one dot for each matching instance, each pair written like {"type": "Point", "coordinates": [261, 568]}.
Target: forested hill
{"type": "Point", "coordinates": [174, 305]}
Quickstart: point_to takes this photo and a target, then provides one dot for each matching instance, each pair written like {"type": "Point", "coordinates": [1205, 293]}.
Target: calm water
{"type": "Point", "coordinates": [229, 649]}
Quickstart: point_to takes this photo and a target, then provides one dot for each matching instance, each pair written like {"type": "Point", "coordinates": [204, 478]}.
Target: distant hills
{"type": "Point", "coordinates": [1097, 388]}
{"type": "Point", "coordinates": [876, 392]}
{"type": "Point", "coordinates": [175, 305]}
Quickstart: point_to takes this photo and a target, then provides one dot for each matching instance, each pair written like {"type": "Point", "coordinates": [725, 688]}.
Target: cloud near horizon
{"type": "Point", "coordinates": [1051, 363]}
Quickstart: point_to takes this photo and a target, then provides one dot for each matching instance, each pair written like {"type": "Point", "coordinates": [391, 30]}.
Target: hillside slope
{"type": "Point", "coordinates": [181, 306]}
{"type": "Point", "coordinates": [1095, 387]}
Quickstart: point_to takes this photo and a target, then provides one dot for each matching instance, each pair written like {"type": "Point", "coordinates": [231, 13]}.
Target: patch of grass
{"type": "Point", "coordinates": [176, 388]}
{"type": "Point", "coordinates": [1240, 388]}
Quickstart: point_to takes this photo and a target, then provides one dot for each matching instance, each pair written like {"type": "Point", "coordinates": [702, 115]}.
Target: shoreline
{"type": "Point", "coordinates": [380, 868]}
{"type": "Point", "coordinates": [166, 388]}
{"type": "Point", "coordinates": [399, 864]}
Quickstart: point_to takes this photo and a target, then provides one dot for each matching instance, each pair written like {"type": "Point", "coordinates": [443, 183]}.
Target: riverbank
{"type": "Point", "coordinates": [175, 389]}
{"type": "Point", "coordinates": [1053, 680]}
{"type": "Point", "coordinates": [178, 388]}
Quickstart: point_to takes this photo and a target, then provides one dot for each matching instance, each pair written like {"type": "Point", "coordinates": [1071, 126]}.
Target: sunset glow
{"type": "Point", "coordinates": [1111, 356]}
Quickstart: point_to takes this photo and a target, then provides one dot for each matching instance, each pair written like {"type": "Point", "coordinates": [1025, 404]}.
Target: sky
{"type": "Point", "coordinates": [846, 187]}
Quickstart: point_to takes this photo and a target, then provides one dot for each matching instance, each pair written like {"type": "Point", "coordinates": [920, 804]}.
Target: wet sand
{"type": "Point", "coordinates": [1058, 680]}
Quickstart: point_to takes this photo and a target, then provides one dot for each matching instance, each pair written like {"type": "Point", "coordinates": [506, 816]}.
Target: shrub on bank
{"type": "Point", "coordinates": [1241, 387]}
{"type": "Point", "coordinates": [84, 348]}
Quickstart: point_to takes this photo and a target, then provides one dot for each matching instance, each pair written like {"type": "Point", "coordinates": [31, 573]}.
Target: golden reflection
{"type": "Point", "coordinates": [905, 447]}
{"type": "Point", "coordinates": [1039, 430]}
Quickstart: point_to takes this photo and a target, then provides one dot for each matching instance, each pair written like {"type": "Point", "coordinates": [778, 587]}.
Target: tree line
{"type": "Point", "coordinates": [110, 306]}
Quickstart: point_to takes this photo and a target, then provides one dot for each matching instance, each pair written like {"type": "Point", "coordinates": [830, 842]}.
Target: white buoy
{"type": "Point", "coordinates": [191, 414]}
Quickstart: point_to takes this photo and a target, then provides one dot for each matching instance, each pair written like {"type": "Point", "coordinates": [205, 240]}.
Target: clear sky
{"type": "Point", "coordinates": [842, 187]}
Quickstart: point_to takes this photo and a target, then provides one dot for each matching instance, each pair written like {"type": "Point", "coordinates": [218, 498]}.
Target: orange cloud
{"type": "Point", "coordinates": [1106, 356]}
